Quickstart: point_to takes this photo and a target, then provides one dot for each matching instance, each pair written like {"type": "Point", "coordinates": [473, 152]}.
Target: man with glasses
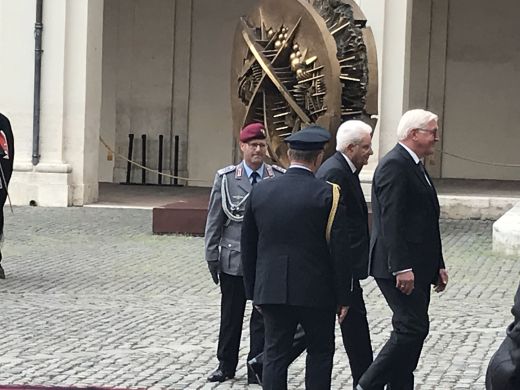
{"type": "Point", "coordinates": [405, 249]}
{"type": "Point", "coordinates": [222, 244]}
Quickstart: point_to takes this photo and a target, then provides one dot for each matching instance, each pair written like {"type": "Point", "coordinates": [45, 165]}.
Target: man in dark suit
{"type": "Point", "coordinates": [405, 249]}
{"type": "Point", "coordinates": [293, 256]}
{"type": "Point", "coordinates": [504, 368]}
{"type": "Point", "coordinates": [354, 147]}
{"type": "Point", "coordinates": [6, 165]}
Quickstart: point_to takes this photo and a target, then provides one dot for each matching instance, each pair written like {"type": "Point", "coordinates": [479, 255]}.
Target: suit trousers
{"type": "Point", "coordinates": [280, 327]}
{"type": "Point", "coordinates": [356, 335]}
{"type": "Point", "coordinates": [398, 358]}
{"type": "Point", "coordinates": [232, 308]}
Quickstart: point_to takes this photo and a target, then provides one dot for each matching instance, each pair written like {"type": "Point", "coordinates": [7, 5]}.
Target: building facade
{"type": "Point", "coordinates": [111, 68]}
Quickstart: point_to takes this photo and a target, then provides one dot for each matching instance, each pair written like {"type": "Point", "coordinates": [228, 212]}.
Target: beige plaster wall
{"type": "Point", "coordinates": [210, 141]}
{"type": "Point", "coordinates": [137, 82]}
{"type": "Point", "coordinates": [481, 118]}
{"type": "Point", "coordinates": [16, 70]}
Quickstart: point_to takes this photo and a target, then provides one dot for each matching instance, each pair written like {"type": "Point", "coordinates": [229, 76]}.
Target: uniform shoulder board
{"type": "Point", "coordinates": [279, 169]}
{"type": "Point", "coordinates": [227, 169]}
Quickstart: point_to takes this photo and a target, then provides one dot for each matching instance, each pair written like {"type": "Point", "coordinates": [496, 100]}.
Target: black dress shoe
{"type": "Point", "coordinates": [254, 371]}
{"type": "Point", "coordinates": [2, 273]}
{"type": "Point", "coordinates": [219, 375]}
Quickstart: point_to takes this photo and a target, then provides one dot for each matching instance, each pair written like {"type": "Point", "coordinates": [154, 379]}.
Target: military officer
{"type": "Point", "coordinates": [6, 169]}
{"type": "Point", "coordinates": [222, 243]}
{"type": "Point", "coordinates": [295, 268]}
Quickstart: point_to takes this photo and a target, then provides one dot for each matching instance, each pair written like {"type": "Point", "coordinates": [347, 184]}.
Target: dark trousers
{"type": "Point", "coordinates": [3, 197]}
{"type": "Point", "coordinates": [232, 308]}
{"type": "Point", "coordinates": [356, 335]}
{"type": "Point", "coordinates": [280, 327]}
{"type": "Point", "coordinates": [398, 359]}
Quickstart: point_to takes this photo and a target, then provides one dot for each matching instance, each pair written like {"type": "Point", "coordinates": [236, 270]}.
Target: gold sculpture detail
{"type": "Point", "coordinates": [297, 62]}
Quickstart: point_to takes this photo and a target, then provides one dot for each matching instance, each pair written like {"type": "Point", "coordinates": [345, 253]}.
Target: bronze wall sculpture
{"type": "Point", "coordinates": [297, 62]}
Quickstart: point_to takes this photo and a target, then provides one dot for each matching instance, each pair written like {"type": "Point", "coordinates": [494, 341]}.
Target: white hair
{"type": "Point", "coordinates": [351, 133]}
{"type": "Point", "coordinates": [414, 119]}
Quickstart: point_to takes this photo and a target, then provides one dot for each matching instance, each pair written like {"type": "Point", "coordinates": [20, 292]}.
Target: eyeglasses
{"type": "Point", "coordinates": [255, 145]}
{"type": "Point", "coordinates": [432, 131]}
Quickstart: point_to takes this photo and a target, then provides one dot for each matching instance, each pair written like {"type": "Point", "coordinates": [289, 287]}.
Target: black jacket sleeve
{"type": "Point", "coordinates": [248, 245]}
{"type": "Point", "coordinates": [340, 255]}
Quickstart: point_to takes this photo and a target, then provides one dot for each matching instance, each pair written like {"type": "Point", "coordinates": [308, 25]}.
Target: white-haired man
{"type": "Point", "coordinates": [354, 147]}
{"type": "Point", "coordinates": [405, 249]}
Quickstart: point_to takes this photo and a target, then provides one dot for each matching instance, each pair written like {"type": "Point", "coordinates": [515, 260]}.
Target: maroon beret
{"type": "Point", "coordinates": [252, 131]}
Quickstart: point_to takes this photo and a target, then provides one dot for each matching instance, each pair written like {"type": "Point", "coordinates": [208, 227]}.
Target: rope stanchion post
{"type": "Point", "coordinates": [143, 158]}
{"type": "Point", "coordinates": [159, 168]}
{"type": "Point", "coordinates": [131, 162]}
{"type": "Point", "coordinates": [130, 152]}
{"type": "Point", "coordinates": [176, 162]}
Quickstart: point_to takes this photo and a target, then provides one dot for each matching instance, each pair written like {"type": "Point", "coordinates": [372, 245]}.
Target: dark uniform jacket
{"type": "Point", "coordinates": [336, 170]}
{"type": "Point", "coordinates": [6, 152]}
{"type": "Point", "coordinates": [6, 162]}
{"type": "Point", "coordinates": [504, 368]}
{"type": "Point", "coordinates": [285, 255]}
{"type": "Point", "coordinates": [405, 220]}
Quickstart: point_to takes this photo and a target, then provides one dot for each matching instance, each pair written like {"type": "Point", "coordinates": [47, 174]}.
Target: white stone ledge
{"type": "Point", "coordinates": [475, 207]}
{"type": "Point", "coordinates": [43, 167]}
{"type": "Point", "coordinates": [506, 232]}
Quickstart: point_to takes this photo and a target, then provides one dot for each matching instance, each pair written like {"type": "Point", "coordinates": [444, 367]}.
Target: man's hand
{"type": "Point", "coordinates": [405, 282]}
{"type": "Point", "coordinates": [342, 313]}
{"type": "Point", "coordinates": [214, 269]}
{"type": "Point", "coordinates": [442, 281]}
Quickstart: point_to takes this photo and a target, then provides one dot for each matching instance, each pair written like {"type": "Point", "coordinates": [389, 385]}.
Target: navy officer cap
{"type": "Point", "coordinates": [311, 138]}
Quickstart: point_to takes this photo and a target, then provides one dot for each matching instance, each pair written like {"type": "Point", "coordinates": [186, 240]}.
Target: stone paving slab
{"type": "Point", "coordinates": [92, 298]}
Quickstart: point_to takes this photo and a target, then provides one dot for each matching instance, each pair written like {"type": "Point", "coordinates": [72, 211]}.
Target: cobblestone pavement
{"type": "Point", "coordinates": [93, 298]}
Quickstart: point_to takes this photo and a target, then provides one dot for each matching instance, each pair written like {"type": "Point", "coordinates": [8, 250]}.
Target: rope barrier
{"type": "Point", "coordinates": [146, 168]}
{"type": "Point", "coordinates": [490, 163]}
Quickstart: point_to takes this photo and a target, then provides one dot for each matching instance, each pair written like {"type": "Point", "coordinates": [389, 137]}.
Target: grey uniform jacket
{"type": "Point", "coordinates": [222, 235]}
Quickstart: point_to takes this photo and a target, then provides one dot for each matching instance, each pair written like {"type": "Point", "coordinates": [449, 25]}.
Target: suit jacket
{"type": "Point", "coordinates": [504, 368]}
{"type": "Point", "coordinates": [336, 170]}
{"type": "Point", "coordinates": [222, 235]}
{"type": "Point", "coordinates": [405, 220]}
{"type": "Point", "coordinates": [285, 254]}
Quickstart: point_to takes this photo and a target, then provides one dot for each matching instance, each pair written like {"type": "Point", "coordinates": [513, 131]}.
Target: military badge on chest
{"type": "Point", "coordinates": [4, 147]}
{"type": "Point", "coordinates": [234, 196]}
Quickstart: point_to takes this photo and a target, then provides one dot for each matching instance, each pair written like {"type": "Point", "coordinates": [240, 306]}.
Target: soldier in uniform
{"type": "Point", "coordinates": [6, 169]}
{"type": "Point", "coordinates": [295, 268]}
{"type": "Point", "coordinates": [222, 243]}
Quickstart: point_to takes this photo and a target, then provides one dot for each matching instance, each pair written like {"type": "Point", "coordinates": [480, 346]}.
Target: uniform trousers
{"type": "Point", "coordinates": [398, 359]}
{"type": "Point", "coordinates": [355, 333]}
{"type": "Point", "coordinates": [280, 327]}
{"type": "Point", "coordinates": [3, 198]}
{"type": "Point", "coordinates": [232, 308]}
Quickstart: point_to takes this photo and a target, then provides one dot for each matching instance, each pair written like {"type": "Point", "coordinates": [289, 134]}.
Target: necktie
{"type": "Point", "coordinates": [254, 177]}
{"type": "Point", "coordinates": [423, 171]}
